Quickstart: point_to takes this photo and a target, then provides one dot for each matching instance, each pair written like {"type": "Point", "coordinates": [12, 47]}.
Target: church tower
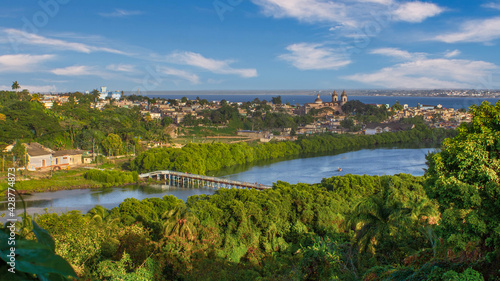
{"type": "Point", "coordinates": [335, 97]}
{"type": "Point", "coordinates": [343, 97]}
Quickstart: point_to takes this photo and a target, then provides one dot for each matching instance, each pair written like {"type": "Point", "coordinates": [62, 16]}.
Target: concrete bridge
{"type": "Point", "coordinates": [173, 178]}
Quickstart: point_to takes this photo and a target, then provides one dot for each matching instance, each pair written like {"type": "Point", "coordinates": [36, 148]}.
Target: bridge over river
{"type": "Point", "coordinates": [173, 178]}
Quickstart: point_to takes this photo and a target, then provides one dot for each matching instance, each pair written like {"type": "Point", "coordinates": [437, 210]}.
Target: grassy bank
{"type": "Point", "coordinates": [65, 180]}
{"type": "Point", "coordinates": [60, 180]}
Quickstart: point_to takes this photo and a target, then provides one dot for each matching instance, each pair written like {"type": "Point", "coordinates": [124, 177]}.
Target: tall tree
{"type": "Point", "coordinates": [464, 178]}
{"type": "Point", "coordinates": [181, 222]}
{"type": "Point", "coordinates": [112, 144]}
{"type": "Point", "coordinates": [15, 86]}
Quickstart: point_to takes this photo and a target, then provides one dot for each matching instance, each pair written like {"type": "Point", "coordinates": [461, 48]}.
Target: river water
{"type": "Point", "coordinates": [380, 161]}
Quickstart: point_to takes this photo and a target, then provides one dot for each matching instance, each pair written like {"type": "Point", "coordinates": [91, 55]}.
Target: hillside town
{"type": "Point", "coordinates": [329, 113]}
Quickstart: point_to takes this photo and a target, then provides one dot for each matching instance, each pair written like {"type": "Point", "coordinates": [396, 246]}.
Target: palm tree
{"type": "Point", "coordinates": [377, 216]}
{"type": "Point", "coordinates": [15, 86]}
{"type": "Point", "coordinates": [385, 215]}
{"type": "Point", "coordinates": [181, 222]}
{"type": "Point", "coordinates": [98, 213]}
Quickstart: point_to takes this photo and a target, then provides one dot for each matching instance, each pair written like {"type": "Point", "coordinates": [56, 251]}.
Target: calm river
{"type": "Point", "coordinates": [381, 161]}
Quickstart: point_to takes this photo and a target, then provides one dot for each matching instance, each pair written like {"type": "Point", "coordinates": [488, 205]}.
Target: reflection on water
{"type": "Point", "coordinates": [312, 170]}
{"type": "Point", "coordinates": [380, 161]}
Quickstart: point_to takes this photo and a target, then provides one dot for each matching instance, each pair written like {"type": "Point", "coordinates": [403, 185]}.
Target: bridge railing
{"type": "Point", "coordinates": [205, 178]}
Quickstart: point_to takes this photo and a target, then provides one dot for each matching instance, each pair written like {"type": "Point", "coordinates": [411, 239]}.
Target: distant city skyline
{"type": "Point", "coordinates": [68, 45]}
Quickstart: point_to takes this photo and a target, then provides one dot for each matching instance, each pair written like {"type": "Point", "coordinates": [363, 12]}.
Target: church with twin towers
{"type": "Point", "coordinates": [335, 105]}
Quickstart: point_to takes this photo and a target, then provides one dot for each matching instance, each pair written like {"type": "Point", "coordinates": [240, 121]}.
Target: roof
{"type": "Point", "coordinates": [318, 100]}
{"type": "Point", "coordinates": [67, 152]}
{"type": "Point", "coordinates": [36, 149]}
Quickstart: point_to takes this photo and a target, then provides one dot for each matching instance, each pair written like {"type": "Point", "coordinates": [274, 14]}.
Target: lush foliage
{"type": "Point", "coordinates": [292, 232]}
{"type": "Point", "coordinates": [26, 259]}
{"type": "Point", "coordinates": [464, 179]}
{"type": "Point", "coordinates": [201, 158]}
{"type": "Point", "coordinates": [112, 178]}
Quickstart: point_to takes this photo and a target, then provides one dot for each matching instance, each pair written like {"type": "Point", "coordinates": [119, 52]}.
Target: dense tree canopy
{"type": "Point", "coordinates": [464, 179]}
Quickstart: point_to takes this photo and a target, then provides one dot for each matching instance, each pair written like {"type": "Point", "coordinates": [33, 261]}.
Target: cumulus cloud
{"type": "Point", "coordinates": [424, 73]}
{"type": "Point", "coordinates": [348, 13]}
{"type": "Point", "coordinates": [484, 30]}
{"type": "Point", "coordinates": [416, 11]}
{"type": "Point", "coordinates": [22, 62]}
{"type": "Point", "coordinates": [308, 56]}
{"type": "Point", "coordinates": [215, 66]}
{"type": "Point", "coordinates": [306, 10]}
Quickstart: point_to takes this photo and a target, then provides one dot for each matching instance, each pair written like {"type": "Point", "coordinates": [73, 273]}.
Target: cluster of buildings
{"type": "Point", "coordinates": [435, 116]}
{"type": "Point", "coordinates": [105, 94]}
{"type": "Point", "coordinates": [330, 111]}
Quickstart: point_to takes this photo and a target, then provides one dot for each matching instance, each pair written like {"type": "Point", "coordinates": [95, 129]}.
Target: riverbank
{"type": "Point", "coordinates": [213, 158]}
{"type": "Point", "coordinates": [61, 180]}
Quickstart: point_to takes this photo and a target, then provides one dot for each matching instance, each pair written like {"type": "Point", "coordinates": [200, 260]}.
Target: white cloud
{"type": "Point", "coordinates": [416, 11]}
{"type": "Point", "coordinates": [215, 66]}
{"type": "Point", "coordinates": [349, 14]}
{"type": "Point", "coordinates": [492, 5]}
{"type": "Point", "coordinates": [121, 67]}
{"type": "Point", "coordinates": [16, 36]}
{"type": "Point", "coordinates": [382, 2]}
{"type": "Point", "coordinates": [193, 78]}
{"type": "Point", "coordinates": [22, 62]}
{"type": "Point", "coordinates": [307, 10]}
{"type": "Point", "coordinates": [76, 70]}
{"type": "Point", "coordinates": [424, 73]}
{"type": "Point", "coordinates": [33, 88]}
{"type": "Point", "coordinates": [451, 54]}
{"type": "Point", "coordinates": [485, 30]}
{"type": "Point", "coordinates": [118, 13]}
{"type": "Point", "coordinates": [307, 56]}
{"type": "Point", "coordinates": [397, 53]}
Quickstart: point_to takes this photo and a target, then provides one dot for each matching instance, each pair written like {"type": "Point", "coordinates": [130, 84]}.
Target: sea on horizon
{"type": "Point", "coordinates": [301, 97]}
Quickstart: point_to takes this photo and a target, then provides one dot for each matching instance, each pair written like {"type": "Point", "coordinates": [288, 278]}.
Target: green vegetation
{"type": "Point", "coordinates": [59, 180]}
{"type": "Point", "coordinates": [442, 226]}
{"type": "Point", "coordinates": [201, 158]}
{"type": "Point", "coordinates": [25, 259]}
{"type": "Point", "coordinates": [112, 178]}
{"type": "Point", "coordinates": [75, 124]}
{"type": "Point", "coordinates": [365, 113]}
{"type": "Point", "coordinates": [292, 232]}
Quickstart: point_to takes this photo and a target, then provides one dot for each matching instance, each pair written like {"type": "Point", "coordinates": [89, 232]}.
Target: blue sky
{"type": "Point", "coordinates": [70, 45]}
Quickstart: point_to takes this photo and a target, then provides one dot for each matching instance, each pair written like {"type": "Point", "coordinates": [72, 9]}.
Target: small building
{"type": "Point", "coordinates": [38, 156]}
{"type": "Point", "coordinates": [64, 158]}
